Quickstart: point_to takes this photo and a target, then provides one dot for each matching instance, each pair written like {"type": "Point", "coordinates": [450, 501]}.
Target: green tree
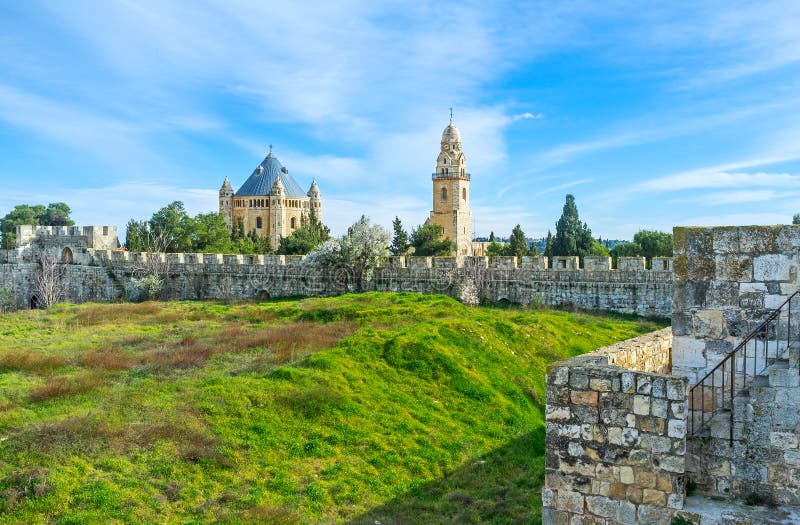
{"type": "Point", "coordinates": [400, 242]}
{"type": "Point", "coordinates": [491, 237]}
{"type": "Point", "coordinates": [796, 218]}
{"type": "Point", "coordinates": [173, 227]}
{"type": "Point", "coordinates": [498, 248]}
{"type": "Point", "coordinates": [646, 243]}
{"type": "Point", "coordinates": [429, 239]}
{"type": "Point", "coordinates": [548, 246]}
{"type": "Point", "coordinates": [572, 236]}
{"type": "Point", "coordinates": [210, 234]}
{"type": "Point", "coordinates": [55, 214]}
{"type": "Point", "coordinates": [306, 238]}
{"type": "Point", "coordinates": [518, 246]}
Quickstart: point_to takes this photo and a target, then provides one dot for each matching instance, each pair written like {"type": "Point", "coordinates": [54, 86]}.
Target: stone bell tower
{"type": "Point", "coordinates": [451, 191]}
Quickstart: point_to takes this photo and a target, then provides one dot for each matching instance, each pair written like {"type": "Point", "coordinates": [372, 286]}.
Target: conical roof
{"type": "Point", "coordinates": [263, 178]}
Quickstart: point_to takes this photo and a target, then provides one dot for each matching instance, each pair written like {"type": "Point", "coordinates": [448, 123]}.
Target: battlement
{"type": "Point", "coordinates": [99, 237]}
{"type": "Point", "coordinates": [565, 265]}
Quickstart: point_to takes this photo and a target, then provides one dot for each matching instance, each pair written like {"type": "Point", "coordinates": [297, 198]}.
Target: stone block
{"type": "Point", "coordinates": [626, 513]}
{"type": "Point", "coordinates": [672, 464]}
{"type": "Point", "coordinates": [708, 324]}
{"type": "Point", "coordinates": [558, 375]}
{"type": "Point", "coordinates": [771, 267]}
{"type": "Point", "coordinates": [676, 428]}
{"type": "Point", "coordinates": [569, 501]}
{"type": "Point", "coordinates": [601, 385]}
{"type": "Point", "coordinates": [659, 408]}
{"type": "Point", "coordinates": [641, 405]}
{"type": "Point", "coordinates": [654, 497]}
{"type": "Point", "coordinates": [602, 506]}
{"type": "Point", "coordinates": [578, 379]}
{"type": "Point", "coordinates": [557, 413]}
{"type": "Point", "coordinates": [628, 382]}
{"type": "Point", "coordinates": [584, 398]}
{"type": "Point", "coordinates": [643, 384]}
{"type": "Point", "coordinates": [548, 497]}
{"type": "Point", "coordinates": [783, 440]}
{"type": "Point", "coordinates": [676, 389]}
{"type": "Point", "coordinates": [626, 475]}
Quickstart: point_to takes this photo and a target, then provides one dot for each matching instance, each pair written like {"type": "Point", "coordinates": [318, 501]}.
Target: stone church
{"type": "Point", "coordinates": [451, 193]}
{"type": "Point", "coordinates": [270, 202]}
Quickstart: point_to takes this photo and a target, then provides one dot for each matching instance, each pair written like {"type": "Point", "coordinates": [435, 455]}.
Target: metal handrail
{"type": "Point", "coordinates": [729, 372]}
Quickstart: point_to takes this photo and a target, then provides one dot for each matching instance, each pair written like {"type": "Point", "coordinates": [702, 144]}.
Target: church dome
{"type": "Point", "coordinates": [451, 134]}
{"type": "Point", "coordinates": [263, 178]}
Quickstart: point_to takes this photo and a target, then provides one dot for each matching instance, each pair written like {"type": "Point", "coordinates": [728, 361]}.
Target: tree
{"type": "Point", "coordinates": [172, 224]}
{"type": "Point", "coordinates": [548, 246]}
{"type": "Point", "coordinates": [796, 218]}
{"type": "Point", "coordinates": [572, 237]}
{"type": "Point", "coordinates": [210, 234]}
{"type": "Point", "coordinates": [491, 236]}
{"type": "Point", "coordinates": [646, 243]}
{"type": "Point", "coordinates": [498, 248]}
{"type": "Point", "coordinates": [356, 253]}
{"type": "Point", "coordinates": [305, 239]}
{"type": "Point", "coordinates": [518, 246]}
{"type": "Point", "coordinates": [429, 239]}
{"type": "Point", "coordinates": [55, 214]}
{"type": "Point", "coordinates": [400, 242]}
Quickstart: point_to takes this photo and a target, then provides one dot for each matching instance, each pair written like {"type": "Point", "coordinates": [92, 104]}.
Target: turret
{"type": "Point", "coordinates": [226, 202]}
{"type": "Point", "coordinates": [277, 212]}
{"type": "Point", "coordinates": [315, 199]}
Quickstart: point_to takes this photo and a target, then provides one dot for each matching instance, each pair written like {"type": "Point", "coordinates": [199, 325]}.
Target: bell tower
{"type": "Point", "coordinates": [451, 191]}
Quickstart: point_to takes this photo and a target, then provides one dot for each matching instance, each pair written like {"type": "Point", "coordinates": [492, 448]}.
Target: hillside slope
{"type": "Point", "coordinates": [397, 408]}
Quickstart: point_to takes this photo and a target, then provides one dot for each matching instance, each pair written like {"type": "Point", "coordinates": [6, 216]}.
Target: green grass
{"type": "Point", "coordinates": [397, 408]}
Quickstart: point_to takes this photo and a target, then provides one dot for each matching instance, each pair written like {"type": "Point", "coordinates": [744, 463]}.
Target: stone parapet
{"type": "Point", "coordinates": [616, 436]}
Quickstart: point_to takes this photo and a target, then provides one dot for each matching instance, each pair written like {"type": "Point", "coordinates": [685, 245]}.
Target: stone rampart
{"type": "Point", "coordinates": [616, 436]}
{"type": "Point", "coordinates": [99, 273]}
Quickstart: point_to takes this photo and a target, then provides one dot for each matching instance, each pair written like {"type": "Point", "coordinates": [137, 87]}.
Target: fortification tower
{"type": "Point", "coordinates": [226, 202]}
{"type": "Point", "coordinates": [451, 191]}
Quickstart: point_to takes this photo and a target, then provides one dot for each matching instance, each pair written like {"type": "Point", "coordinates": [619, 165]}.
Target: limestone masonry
{"type": "Point", "coordinates": [631, 425]}
{"type": "Point", "coordinates": [96, 272]}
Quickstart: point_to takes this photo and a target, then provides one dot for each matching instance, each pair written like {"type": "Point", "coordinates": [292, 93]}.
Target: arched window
{"type": "Point", "coordinates": [258, 223]}
{"type": "Point", "coordinates": [445, 160]}
{"type": "Point", "coordinates": [464, 193]}
{"type": "Point", "coordinates": [292, 223]}
{"type": "Point", "coordinates": [66, 256]}
{"type": "Point", "coordinates": [444, 194]}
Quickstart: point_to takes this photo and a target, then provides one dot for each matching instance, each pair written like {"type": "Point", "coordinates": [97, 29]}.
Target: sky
{"type": "Point", "coordinates": [652, 114]}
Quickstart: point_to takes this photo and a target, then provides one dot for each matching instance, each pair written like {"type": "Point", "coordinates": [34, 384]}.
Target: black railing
{"type": "Point", "coordinates": [717, 390]}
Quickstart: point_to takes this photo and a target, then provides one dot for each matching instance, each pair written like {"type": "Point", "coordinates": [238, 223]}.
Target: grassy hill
{"type": "Point", "coordinates": [396, 408]}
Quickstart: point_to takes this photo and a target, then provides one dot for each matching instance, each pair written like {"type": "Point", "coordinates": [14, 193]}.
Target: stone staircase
{"type": "Point", "coordinates": [763, 459]}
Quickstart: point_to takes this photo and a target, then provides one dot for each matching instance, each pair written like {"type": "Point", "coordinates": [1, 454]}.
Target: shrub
{"type": "Point", "coordinates": [145, 288]}
{"type": "Point", "coordinates": [7, 302]}
{"type": "Point", "coordinates": [468, 293]}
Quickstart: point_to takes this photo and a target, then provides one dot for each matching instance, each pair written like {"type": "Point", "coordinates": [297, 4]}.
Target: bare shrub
{"type": "Point", "coordinates": [112, 360]}
{"type": "Point", "coordinates": [49, 280]}
{"type": "Point", "coordinates": [95, 314]}
{"type": "Point", "coordinates": [24, 484]}
{"type": "Point", "coordinates": [30, 361]}
{"type": "Point", "coordinates": [60, 386]}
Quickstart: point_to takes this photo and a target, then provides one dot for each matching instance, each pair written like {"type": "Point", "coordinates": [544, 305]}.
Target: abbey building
{"type": "Point", "coordinates": [270, 202]}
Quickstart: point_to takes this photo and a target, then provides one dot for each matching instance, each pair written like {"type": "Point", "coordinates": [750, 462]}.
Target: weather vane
{"type": "Point", "coordinates": [451, 115]}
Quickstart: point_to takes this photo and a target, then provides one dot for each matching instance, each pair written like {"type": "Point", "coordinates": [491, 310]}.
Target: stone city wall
{"type": "Point", "coordinates": [616, 436]}
{"type": "Point", "coordinates": [99, 273]}
{"type": "Point", "coordinates": [726, 280]}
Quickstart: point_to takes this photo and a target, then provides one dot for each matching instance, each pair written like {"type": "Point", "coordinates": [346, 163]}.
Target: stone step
{"type": "Point", "coordinates": [707, 511]}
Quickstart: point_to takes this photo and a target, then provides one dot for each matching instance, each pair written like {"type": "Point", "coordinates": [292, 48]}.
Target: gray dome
{"type": "Point", "coordinates": [263, 178]}
{"type": "Point", "coordinates": [451, 134]}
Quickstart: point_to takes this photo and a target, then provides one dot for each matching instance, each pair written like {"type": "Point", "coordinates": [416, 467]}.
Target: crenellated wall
{"type": "Point", "coordinates": [98, 272]}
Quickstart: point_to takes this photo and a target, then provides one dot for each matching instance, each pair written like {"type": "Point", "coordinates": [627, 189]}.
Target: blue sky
{"type": "Point", "coordinates": [652, 114]}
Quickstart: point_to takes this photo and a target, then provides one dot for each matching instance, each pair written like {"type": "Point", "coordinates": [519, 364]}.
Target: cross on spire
{"type": "Point", "coordinates": [270, 149]}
